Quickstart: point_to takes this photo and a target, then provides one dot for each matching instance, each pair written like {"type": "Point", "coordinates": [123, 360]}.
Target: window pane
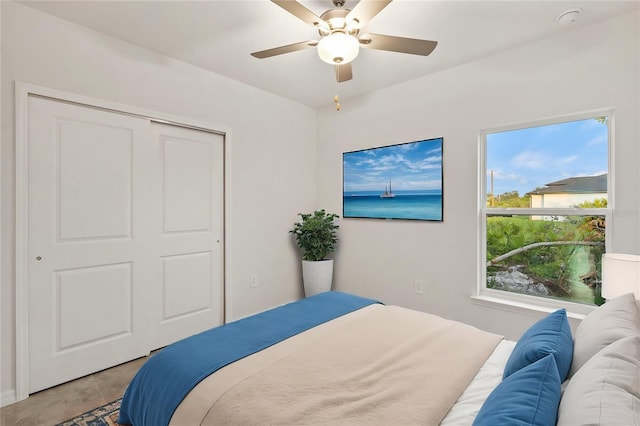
{"type": "Point", "coordinates": [553, 166]}
{"type": "Point", "coordinates": [558, 258]}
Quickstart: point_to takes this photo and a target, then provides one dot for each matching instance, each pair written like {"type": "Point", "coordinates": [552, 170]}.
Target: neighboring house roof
{"type": "Point", "coordinates": [575, 185]}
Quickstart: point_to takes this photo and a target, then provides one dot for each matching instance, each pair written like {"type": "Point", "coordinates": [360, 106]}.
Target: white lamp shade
{"type": "Point", "coordinates": [620, 275]}
{"type": "Point", "coordinates": [338, 48]}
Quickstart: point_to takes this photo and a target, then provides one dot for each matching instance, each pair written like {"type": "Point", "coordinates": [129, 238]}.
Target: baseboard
{"type": "Point", "coordinates": [7, 397]}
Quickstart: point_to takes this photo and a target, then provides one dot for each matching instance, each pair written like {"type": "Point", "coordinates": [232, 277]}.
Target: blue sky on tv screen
{"type": "Point", "coordinates": [414, 166]}
{"type": "Point", "coordinates": [525, 159]}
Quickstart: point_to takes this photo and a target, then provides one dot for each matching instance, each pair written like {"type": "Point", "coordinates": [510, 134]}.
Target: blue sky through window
{"type": "Point", "coordinates": [525, 159]}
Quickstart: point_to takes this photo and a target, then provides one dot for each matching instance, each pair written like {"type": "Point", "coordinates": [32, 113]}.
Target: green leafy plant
{"type": "Point", "coordinates": [316, 234]}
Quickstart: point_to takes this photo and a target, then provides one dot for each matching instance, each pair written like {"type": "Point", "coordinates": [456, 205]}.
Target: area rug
{"type": "Point", "coordinates": [106, 415]}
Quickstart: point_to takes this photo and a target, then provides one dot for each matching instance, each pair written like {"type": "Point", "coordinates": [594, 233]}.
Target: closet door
{"type": "Point", "coordinates": [124, 238]}
{"type": "Point", "coordinates": [89, 234]}
{"type": "Point", "coordinates": [187, 248]}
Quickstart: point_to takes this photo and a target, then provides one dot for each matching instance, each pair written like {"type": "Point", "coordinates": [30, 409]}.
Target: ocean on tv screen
{"type": "Point", "coordinates": [415, 204]}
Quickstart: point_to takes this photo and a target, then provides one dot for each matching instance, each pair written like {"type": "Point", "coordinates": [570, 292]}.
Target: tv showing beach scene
{"type": "Point", "coordinates": [402, 181]}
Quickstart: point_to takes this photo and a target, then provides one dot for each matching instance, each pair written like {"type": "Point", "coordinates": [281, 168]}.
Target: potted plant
{"type": "Point", "coordinates": [316, 236]}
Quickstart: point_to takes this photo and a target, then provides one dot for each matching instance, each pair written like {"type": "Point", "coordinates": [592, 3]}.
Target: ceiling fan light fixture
{"type": "Point", "coordinates": [338, 48]}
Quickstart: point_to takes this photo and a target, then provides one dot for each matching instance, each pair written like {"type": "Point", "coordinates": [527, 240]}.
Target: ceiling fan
{"type": "Point", "coordinates": [339, 30]}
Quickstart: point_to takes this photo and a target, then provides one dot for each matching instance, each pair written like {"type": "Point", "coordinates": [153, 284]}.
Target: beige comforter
{"type": "Point", "coordinates": [379, 365]}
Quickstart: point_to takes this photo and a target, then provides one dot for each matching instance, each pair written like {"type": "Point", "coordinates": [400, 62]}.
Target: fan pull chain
{"type": "Point", "coordinates": [336, 100]}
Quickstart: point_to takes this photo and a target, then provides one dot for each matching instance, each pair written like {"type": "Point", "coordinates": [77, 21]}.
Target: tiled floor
{"type": "Point", "coordinates": [65, 401]}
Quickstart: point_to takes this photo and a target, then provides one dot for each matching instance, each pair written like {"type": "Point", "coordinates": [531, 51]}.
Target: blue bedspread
{"type": "Point", "coordinates": [168, 376]}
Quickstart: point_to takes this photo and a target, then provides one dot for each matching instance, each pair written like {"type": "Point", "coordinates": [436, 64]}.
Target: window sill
{"type": "Point", "coordinates": [574, 310]}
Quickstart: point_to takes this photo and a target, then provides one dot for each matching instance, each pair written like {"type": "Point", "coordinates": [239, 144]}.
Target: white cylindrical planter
{"type": "Point", "coordinates": [317, 276]}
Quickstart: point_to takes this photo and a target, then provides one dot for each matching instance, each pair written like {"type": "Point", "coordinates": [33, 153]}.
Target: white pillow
{"type": "Point", "coordinates": [616, 319]}
{"type": "Point", "coordinates": [606, 390]}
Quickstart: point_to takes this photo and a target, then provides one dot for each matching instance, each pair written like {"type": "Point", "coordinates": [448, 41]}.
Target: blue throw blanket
{"type": "Point", "coordinates": [167, 377]}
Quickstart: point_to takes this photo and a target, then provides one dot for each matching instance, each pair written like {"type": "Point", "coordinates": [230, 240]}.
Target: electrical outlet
{"type": "Point", "coordinates": [253, 281]}
{"type": "Point", "coordinates": [418, 286]}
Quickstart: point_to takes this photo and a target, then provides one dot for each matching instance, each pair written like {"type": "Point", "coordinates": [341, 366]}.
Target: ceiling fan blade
{"type": "Point", "coordinates": [413, 46]}
{"type": "Point", "coordinates": [366, 10]}
{"type": "Point", "coordinates": [284, 49]}
{"type": "Point", "coordinates": [300, 12]}
{"type": "Point", "coordinates": [343, 72]}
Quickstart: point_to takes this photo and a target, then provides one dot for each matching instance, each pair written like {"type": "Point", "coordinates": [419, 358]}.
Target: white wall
{"type": "Point", "coordinates": [273, 148]}
{"type": "Point", "coordinates": [581, 70]}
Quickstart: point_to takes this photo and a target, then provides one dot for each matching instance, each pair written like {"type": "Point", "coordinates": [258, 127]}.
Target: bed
{"type": "Point", "coordinates": [336, 358]}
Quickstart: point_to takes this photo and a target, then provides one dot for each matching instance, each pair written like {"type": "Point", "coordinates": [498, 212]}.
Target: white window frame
{"type": "Point", "coordinates": [510, 300]}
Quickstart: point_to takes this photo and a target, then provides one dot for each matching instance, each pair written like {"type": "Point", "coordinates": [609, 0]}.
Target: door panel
{"type": "Point", "coordinates": [186, 283]}
{"type": "Point", "coordinates": [190, 237]}
{"type": "Point", "coordinates": [187, 182]}
{"type": "Point", "coordinates": [94, 180]}
{"type": "Point", "coordinates": [89, 295]}
{"type": "Point", "coordinates": [87, 232]}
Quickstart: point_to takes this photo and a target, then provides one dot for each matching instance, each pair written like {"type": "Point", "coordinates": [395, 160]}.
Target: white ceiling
{"type": "Point", "coordinates": [220, 35]}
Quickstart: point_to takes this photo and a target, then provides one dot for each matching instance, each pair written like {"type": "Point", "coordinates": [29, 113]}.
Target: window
{"type": "Point", "coordinates": [544, 209]}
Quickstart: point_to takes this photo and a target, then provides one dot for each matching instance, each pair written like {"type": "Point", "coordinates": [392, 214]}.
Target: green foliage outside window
{"type": "Point", "coordinates": [563, 255]}
{"type": "Point", "coordinates": [510, 199]}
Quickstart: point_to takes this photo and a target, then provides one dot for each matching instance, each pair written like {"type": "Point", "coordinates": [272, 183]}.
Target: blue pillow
{"type": "Point", "coordinates": [529, 396]}
{"type": "Point", "coordinates": [549, 336]}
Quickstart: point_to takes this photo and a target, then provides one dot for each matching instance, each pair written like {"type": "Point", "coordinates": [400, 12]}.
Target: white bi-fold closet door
{"type": "Point", "coordinates": [125, 237]}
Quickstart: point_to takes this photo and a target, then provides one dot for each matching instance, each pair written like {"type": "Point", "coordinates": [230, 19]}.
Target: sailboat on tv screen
{"type": "Point", "coordinates": [387, 192]}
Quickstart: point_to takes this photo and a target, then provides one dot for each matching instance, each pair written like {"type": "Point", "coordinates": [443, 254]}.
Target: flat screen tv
{"type": "Point", "coordinates": [402, 181]}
